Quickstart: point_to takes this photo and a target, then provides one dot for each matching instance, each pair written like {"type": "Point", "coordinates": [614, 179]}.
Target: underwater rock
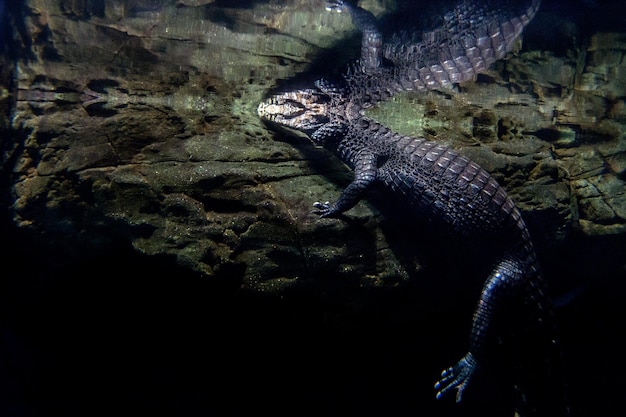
{"type": "Point", "coordinates": [142, 123]}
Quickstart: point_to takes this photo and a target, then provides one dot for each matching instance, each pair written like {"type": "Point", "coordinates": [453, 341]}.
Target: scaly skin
{"type": "Point", "coordinates": [440, 184]}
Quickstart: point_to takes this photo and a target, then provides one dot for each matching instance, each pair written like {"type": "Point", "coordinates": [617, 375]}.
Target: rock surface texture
{"type": "Point", "coordinates": [140, 122]}
{"type": "Point", "coordinates": [134, 124]}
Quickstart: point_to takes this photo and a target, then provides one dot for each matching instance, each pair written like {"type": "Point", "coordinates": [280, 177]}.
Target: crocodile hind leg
{"type": "Point", "coordinates": [505, 280]}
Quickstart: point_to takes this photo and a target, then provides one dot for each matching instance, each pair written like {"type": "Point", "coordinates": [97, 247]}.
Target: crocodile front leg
{"type": "Point", "coordinates": [365, 174]}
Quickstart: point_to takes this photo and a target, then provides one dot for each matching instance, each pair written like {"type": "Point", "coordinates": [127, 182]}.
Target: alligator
{"type": "Point", "coordinates": [441, 186]}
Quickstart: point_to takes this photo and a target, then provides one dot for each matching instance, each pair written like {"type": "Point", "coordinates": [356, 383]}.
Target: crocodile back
{"type": "Point", "coordinates": [439, 183]}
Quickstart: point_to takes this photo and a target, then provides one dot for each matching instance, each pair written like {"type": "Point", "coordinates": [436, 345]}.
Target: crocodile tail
{"type": "Point", "coordinates": [468, 40]}
{"type": "Point", "coordinates": [539, 375]}
{"type": "Point", "coordinates": [532, 344]}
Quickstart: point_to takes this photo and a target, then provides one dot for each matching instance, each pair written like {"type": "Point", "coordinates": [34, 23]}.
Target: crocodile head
{"type": "Point", "coordinates": [303, 110]}
{"type": "Point", "coordinates": [319, 113]}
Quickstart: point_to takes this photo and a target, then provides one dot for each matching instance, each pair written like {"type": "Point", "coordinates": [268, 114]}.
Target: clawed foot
{"type": "Point", "coordinates": [335, 5]}
{"type": "Point", "coordinates": [457, 376]}
{"type": "Point", "coordinates": [323, 209]}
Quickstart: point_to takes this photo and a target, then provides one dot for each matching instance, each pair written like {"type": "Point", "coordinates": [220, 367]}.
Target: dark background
{"type": "Point", "coordinates": [127, 334]}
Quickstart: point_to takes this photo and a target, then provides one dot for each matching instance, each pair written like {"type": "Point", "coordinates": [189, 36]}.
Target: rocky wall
{"type": "Point", "coordinates": [138, 120]}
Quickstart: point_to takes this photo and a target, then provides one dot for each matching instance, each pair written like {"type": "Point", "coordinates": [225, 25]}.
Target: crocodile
{"type": "Point", "coordinates": [441, 186]}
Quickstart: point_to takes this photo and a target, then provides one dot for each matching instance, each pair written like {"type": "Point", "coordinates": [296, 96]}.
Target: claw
{"type": "Point", "coordinates": [456, 377]}
{"type": "Point", "coordinates": [335, 5]}
{"type": "Point", "coordinates": [323, 209]}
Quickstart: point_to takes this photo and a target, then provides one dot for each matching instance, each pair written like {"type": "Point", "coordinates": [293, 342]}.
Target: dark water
{"type": "Point", "coordinates": [99, 328]}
